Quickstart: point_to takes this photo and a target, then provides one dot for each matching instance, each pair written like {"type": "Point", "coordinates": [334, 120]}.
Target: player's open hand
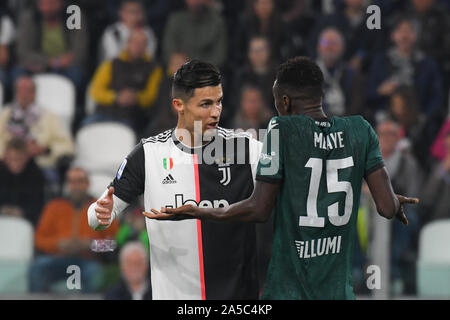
{"type": "Point", "coordinates": [181, 213]}
{"type": "Point", "coordinates": [104, 207]}
{"type": "Point", "coordinates": [401, 213]}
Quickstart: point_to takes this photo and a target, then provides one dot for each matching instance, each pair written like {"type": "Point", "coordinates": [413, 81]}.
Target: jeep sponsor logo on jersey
{"type": "Point", "coordinates": [179, 201]}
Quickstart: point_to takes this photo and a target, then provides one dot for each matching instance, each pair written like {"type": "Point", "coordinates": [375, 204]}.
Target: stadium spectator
{"type": "Point", "coordinates": [253, 112]}
{"type": "Point", "coordinates": [7, 35]}
{"type": "Point", "coordinates": [127, 85]}
{"type": "Point", "coordinates": [163, 115]}
{"type": "Point", "coordinates": [344, 91]}
{"type": "Point", "coordinates": [47, 139]}
{"type": "Point", "coordinates": [262, 19]}
{"type": "Point", "coordinates": [350, 20]}
{"type": "Point", "coordinates": [134, 283]}
{"type": "Point", "coordinates": [132, 17]}
{"type": "Point", "coordinates": [63, 238]}
{"type": "Point", "coordinates": [406, 178]}
{"type": "Point", "coordinates": [45, 44]}
{"type": "Point", "coordinates": [21, 183]}
{"type": "Point", "coordinates": [438, 150]}
{"type": "Point", "coordinates": [405, 64]}
{"type": "Point", "coordinates": [199, 32]}
{"type": "Point", "coordinates": [259, 71]}
{"type": "Point", "coordinates": [434, 36]}
{"type": "Point", "coordinates": [404, 108]}
{"type": "Point", "coordinates": [435, 196]}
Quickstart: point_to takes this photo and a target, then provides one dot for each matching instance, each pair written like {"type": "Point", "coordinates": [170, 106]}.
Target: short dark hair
{"type": "Point", "coordinates": [192, 75]}
{"type": "Point", "coordinates": [302, 76]}
{"type": "Point", "coordinates": [124, 2]}
{"type": "Point", "coordinates": [399, 19]}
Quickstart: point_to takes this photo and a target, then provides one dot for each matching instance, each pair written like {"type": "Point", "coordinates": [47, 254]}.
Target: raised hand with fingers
{"type": "Point", "coordinates": [104, 207]}
{"type": "Point", "coordinates": [401, 213]}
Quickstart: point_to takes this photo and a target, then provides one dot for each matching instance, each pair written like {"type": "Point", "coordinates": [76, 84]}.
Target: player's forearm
{"type": "Point", "coordinates": [242, 211]}
{"type": "Point", "coordinates": [256, 208]}
{"type": "Point", "coordinates": [383, 194]}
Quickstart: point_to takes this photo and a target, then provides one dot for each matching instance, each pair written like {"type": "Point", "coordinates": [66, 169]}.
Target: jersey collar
{"type": "Point", "coordinates": [187, 149]}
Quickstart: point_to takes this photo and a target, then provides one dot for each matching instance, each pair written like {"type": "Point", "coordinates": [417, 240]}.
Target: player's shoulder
{"type": "Point", "coordinates": [159, 138]}
{"type": "Point", "coordinates": [353, 120]}
{"type": "Point", "coordinates": [288, 122]}
{"type": "Point", "coordinates": [277, 122]}
{"type": "Point", "coordinates": [355, 123]}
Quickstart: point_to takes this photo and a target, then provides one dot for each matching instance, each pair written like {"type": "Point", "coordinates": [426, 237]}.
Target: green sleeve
{"type": "Point", "coordinates": [271, 162]}
{"type": "Point", "coordinates": [374, 160]}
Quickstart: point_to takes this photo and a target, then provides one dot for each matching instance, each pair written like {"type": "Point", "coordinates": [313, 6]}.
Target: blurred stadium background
{"type": "Point", "coordinates": [73, 103]}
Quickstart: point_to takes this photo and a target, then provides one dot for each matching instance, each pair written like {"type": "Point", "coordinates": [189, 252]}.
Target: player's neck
{"type": "Point", "coordinates": [191, 138]}
{"type": "Point", "coordinates": [314, 111]}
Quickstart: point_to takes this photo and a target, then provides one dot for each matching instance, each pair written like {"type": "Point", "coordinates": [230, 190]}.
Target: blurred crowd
{"type": "Point", "coordinates": [121, 62]}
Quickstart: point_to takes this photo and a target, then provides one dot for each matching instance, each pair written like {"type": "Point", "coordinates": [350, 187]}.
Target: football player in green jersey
{"type": "Point", "coordinates": [310, 173]}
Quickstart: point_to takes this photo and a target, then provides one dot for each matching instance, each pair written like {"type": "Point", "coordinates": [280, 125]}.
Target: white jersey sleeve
{"type": "Point", "coordinates": [255, 151]}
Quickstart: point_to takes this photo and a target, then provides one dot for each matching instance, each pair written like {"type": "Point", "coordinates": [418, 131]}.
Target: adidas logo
{"type": "Point", "coordinates": [169, 179]}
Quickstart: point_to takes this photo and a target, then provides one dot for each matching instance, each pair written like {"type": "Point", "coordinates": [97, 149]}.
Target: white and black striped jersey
{"type": "Point", "coordinates": [193, 259]}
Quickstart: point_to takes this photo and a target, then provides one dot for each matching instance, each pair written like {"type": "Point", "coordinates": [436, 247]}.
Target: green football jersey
{"type": "Point", "coordinates": [320, 166]}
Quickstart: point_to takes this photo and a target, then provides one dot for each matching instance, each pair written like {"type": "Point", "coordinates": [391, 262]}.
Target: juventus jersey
{"type": "Point", "coordinates": [193, 259]}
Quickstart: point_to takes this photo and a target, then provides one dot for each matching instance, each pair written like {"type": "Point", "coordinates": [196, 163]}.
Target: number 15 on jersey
{"type": "Point", "coordinates": [312, 219]}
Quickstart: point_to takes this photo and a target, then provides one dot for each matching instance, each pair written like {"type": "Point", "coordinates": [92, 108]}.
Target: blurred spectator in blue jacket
{"type": "Point", "coordinates": [434, 36]}
{"type": "Point", "coordinates": [344, 92]}
{"type": "Point", "coordinates": [361, 42]}
{"type": "Point", "coordinates": [405, 64]}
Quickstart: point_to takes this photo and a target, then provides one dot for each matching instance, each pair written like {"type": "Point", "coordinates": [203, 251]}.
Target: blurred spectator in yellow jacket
{"type": "Point", "coordinates": [124, 87]}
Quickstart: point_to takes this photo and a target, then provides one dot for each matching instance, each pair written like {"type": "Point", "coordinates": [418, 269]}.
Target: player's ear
{"type": "Point", "coordinates": [286, 105]}
{"type": "Point", "coordinates": [178, 104]}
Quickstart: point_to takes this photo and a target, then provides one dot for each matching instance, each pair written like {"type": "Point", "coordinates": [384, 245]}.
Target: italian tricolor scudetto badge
{"type": "Point", "coordinates": [168, 163]}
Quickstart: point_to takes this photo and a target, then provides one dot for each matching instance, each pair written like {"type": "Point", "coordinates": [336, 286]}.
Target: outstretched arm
{"type": "Point", "coordinates": [256, 208]}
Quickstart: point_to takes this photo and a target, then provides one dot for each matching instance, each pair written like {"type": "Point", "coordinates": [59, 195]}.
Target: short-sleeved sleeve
{"type": "Point", "coordinates": [270, 165]}
{"type": "Point", "coordinates": [130, 178]}
{"type": "Point", "coordinates": [374, 160]}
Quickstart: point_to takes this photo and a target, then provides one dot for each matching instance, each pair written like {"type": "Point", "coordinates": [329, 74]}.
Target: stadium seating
{"type": "Point", "coordinates": [16, 252]}
{"type": "Point", "coordinates": [89, 103]}
{"type": "Point", "coordinates": [101, 147]}
{"type": "Point", "coordinates": [433, 265]}
{"type": "Point", "coordinates": [56, 94]}
{"type": "Point", "coordinates": [98, 184]}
